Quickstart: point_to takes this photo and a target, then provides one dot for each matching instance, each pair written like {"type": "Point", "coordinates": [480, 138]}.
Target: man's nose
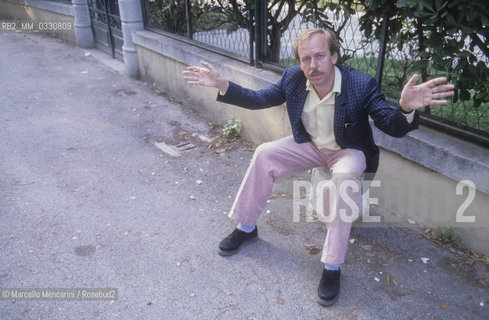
{"type": "Point", "coordinates": [313, 62]}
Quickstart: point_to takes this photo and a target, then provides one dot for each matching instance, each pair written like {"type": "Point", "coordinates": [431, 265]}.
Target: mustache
{"type": "Point", "coordinates": [314, 72]}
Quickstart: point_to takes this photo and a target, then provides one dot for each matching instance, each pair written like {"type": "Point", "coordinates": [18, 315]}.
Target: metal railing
{"type": "Point", "coordinates": [106, 25]}
{"type": "Point", "coordinates": [243, 30]}
{"type": "Point", "coordinates": [63, 1]}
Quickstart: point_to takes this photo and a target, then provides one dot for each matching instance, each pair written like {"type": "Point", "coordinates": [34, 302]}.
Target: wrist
{"type": "Point", "coordinates": [223, 86]}
{"type": "Point", "coordinates": [405, 108]}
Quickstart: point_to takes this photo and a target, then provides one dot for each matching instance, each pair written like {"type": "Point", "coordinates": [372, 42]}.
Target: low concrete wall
{"type": "Point", "coordinates": [162, 60]}
{"type": "Point", "coordinates": [40, 11]}
{"type": "Point", "coordinates": [419, 174]}
{"type": "Point", "coordinates": [431, 199]}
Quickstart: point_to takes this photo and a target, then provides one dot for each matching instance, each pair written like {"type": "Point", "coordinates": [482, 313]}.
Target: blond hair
{"type": "Point", "coordinates": [330, 35]}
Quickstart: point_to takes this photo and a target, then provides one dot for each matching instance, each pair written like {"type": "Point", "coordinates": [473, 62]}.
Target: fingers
{"type": "Point", "coordinates": [438, 102]}
{"type": "Point", "coordinates": [436, 81]}
{"type": "Point", "coordinates": [440, 91]}
{"type": "Point", "coordinates": [443, 91]}
{"type": "Point", "coordinates": [412, 81]}
{"type": "Point", "coordinates": [443, 94]}
{"type": "Point", "coordinates": [192, 81]}
{"type": "Point", "coordinates": [192, 75]}
{"type": "Point", "coordinates": [433, 83]}
{"type": "Point", "coordinates": [445, 87]}
{"type": "Point", "coordinates": [208, 65]}
{"type": "Point", "coordinates": [199, 72]}
{"type": "Point", "coordinates": [191, 78]}
{"type": "Point", "coordinates": [191, 71]}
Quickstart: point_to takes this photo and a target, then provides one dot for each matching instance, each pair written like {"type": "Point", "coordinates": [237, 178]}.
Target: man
{"type": "Point", "coordinates": [328, 107]}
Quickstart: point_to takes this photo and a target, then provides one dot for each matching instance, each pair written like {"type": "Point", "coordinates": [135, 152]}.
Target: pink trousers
{"type": "Point", "coordinates": [285, 156]}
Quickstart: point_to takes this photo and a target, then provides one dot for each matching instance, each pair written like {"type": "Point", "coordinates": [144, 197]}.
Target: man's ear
{"type": "Point", "coordinates": [334, 58]}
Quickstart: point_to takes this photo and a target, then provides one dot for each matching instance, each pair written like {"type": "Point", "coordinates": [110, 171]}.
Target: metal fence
{"type": "Point", "coordinates": [63, 1]}
{"type": "Point", "coordinates": [239, 28]}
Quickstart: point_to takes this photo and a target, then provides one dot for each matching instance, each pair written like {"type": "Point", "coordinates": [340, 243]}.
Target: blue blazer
{"type": "Point", "coordinates": [359, 99]}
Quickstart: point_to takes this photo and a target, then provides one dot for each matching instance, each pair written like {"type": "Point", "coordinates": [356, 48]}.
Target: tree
{"type": "Point", "coordinates": [280, 13]}
{"type": "Point", "coordinates": [452, 37]}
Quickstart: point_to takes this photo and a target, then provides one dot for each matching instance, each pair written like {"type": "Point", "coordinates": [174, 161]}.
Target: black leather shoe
{"type": "Point", "coordinates": [329, 287]}
{"type": "Point", "coordinates": [231, 244]}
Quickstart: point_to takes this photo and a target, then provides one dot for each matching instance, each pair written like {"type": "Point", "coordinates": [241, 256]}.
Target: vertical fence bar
{"type": "Point", "coordinates": [260, 32]}
{"type": "Point", "coordinates": [421, 48]}
{"type": "Point", "coordinates": [109, 30]}
{"type": "Point", "coordinates": [383, 45]}
{"type": "Point", "coordinates": [251, 30]}
{"type": "Point", "coordinates": [263, 29]}
{"type": "Point", "coordinates": [258, 57]}
{"type": "Point", "coordinates": [188, 18]}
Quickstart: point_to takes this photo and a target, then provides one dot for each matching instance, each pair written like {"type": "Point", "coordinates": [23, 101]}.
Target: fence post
{"type": "Point", "coordinates": [260, 32]}
{"type": "Point", "coordinates": [188, 18]}
{"type": "Point", "coordinates": [421, 48]}
{"type": "Point", "coordinates": [384, 36]}
{"type": "Point", "coordinates": [83, 24]}
{"type": "Point", "coordinates": [251, 30]}
{"type": "Point", "coordinates": [131, 20]}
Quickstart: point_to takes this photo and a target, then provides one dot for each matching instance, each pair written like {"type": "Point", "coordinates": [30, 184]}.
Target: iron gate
{"type": "Point", "coordinates": [106, 26]}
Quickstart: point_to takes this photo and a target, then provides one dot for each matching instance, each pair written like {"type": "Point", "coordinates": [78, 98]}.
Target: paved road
{"type": "Point", "coordinates": [87, 200]}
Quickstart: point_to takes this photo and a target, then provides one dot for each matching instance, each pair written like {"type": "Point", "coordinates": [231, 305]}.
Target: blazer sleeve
{"type": "Point", "coordinates": [271, 96]}
{"type": "Point", "coordinates": [391, 121]}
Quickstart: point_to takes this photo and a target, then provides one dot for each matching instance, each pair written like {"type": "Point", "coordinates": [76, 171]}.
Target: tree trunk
{"type": "Point", "coordinates": [273, 49]}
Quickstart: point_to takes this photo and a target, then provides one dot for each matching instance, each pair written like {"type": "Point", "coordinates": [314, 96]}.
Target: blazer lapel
{"type": "Point", "coordinates": [298, 100]}
{"type": "Point", "coordinates": [340, 110]}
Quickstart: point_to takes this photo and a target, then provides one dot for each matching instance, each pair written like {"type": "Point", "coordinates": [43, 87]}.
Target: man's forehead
{"type": "Point", "coordinates": [311, 49]}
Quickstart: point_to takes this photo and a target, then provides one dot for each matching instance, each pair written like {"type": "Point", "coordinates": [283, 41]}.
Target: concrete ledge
{"type": "Point", "coordinates": [450, 156]}
{"type": "Point", "coordinates": [53, 6]}
{"type": "Point", "coordinates": [184, 52]}
{"type": "Point", "coordinates": [162, 59]}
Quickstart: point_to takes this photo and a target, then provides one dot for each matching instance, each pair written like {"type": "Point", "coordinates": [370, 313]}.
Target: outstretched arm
{"type": "Point", "coordinates": [208, 77]}
{"type": "Point", "coordinates": [431, 92]}
{"type": "Point", "coordinates": [233, 93]}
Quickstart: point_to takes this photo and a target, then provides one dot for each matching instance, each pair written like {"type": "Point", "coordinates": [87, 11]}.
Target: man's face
{"type": "Point", "coordinates": [316, 62]}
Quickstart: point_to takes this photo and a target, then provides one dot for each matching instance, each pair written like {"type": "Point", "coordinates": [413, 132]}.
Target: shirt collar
{"type": "Point", "coordinates": [336, 84]}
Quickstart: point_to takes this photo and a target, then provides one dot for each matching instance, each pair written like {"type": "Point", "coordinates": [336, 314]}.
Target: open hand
{"type": "Point", "coordinates": [208, 77]}
{"type": "Point", "coordinates": [427, 93]}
